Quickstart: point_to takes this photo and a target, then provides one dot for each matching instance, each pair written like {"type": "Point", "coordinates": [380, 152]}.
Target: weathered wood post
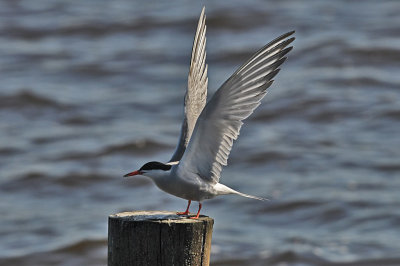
{"type": "Point", "coordinates": [156, 238]}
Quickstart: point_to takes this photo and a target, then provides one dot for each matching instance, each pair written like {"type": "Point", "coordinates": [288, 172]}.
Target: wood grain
{"type": "Point", "coordinates": [158, 238]}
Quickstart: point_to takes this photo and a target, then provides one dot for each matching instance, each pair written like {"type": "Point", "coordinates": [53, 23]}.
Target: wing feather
{"type": "Point", "coordinates": [220, 121]}
{"type": "Point", "coordinates": [196, 95]}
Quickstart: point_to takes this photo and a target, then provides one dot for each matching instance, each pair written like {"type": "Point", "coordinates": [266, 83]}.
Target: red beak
{"type": "Point", "coordinates": [133, 173]}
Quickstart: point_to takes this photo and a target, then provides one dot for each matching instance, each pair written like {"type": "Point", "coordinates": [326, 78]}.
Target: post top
{"type": "Point", "coordinates": [157, 216]}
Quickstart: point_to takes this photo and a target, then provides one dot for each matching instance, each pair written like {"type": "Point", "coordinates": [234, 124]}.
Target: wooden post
{"type": "Point", "coordinates": [158, 238]}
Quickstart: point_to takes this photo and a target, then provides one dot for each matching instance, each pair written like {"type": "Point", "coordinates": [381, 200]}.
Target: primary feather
{"type": "Point", "coordinates": [196, 95]}
{"type": "Point", "coordinates": [220, 121]}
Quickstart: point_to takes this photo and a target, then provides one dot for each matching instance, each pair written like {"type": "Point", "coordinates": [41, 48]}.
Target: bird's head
{"type": "Point", "coordinates": [151, 169]}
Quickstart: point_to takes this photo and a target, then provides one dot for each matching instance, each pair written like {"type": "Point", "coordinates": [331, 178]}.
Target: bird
{"type": "Point", "coordinates": [210, 128]}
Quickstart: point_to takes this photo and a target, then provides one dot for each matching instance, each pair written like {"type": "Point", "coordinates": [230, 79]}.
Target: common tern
{"type": "Point", "coordinates": [208, 130]}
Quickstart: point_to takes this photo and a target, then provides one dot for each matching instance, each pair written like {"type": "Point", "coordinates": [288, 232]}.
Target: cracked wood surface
{"type": "Point", "coordinates": [158, 238]}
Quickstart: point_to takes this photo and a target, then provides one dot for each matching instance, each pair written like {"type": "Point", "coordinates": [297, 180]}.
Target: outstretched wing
{"type": "Point", "coordinates": [196, 95]}
{"type": "Point", "coordinates": [220, 122]}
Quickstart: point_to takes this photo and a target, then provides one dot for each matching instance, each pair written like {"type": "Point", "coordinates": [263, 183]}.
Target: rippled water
{"type": "Point", "coordinates": [93, 89]}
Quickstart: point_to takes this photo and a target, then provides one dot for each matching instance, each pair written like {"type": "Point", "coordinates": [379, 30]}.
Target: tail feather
{"type": "Point", "coordinates": [251, 196]}
{"type": "Point", "coordinates": [223, 190]}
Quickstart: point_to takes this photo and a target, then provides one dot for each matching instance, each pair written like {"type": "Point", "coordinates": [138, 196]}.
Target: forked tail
{"type": "Point", "coordinates": [223, 190]}
{"type": "Point", "coordinates": [250, 196]}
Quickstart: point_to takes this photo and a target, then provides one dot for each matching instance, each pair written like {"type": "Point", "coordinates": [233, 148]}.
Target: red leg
{"type": "Point", "coordinates": [187, 209]}
{"type": "Point", "coordinates": [198, 213]}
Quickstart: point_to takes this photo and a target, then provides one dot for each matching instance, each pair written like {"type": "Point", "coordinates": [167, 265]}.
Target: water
{"type": "Point", "coordinates": [91, 90]}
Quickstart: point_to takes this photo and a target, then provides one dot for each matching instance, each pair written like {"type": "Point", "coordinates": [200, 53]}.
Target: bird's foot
{"type": "Point", "coordinates": [198, 213]}
{"type": "Point", "coordinates": [187, 209]}
{"type": "Point", "coordinates": [195, 217]}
